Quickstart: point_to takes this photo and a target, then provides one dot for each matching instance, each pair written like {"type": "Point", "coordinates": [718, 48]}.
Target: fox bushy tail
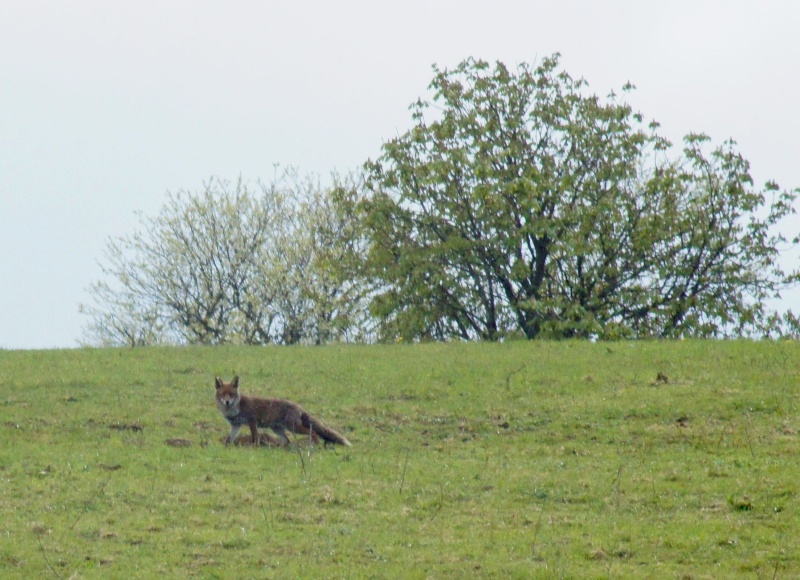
{"type": "Point", "coordinates": [319, 428]}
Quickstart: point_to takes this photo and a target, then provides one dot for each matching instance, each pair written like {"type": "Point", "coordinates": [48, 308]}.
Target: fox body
{"type": "Point", "coordinates": [279, 415]}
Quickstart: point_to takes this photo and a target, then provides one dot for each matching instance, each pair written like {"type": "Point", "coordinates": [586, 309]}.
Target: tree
{"type": "Point", "coordinates": [228, 265]}
{"type": "Point", "coordinates": [518, 204]}
{"type": "Point", "coordinates": [320, 248]}
{"type": "Point", "coordinates": [335, 286]}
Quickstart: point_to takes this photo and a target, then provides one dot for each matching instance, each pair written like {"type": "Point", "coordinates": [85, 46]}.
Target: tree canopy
{"type": "Point", "coordinates": [518, 204]}
{"type": "Point", "coordinates": [230, 264]}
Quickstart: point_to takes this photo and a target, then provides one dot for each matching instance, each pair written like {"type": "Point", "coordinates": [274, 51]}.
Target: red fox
{"type": "Point", "coordinates": [276, 414]}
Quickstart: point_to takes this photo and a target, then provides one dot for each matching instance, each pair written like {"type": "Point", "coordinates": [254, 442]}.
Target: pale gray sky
{"type": "Point", "coordinates": [106, 106]}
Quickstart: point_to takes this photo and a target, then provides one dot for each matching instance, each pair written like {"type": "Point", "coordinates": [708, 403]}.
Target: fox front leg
{"type": "Point", "coordinates": [232, 436]}
{"type": "Point", "coordinates": [254, 431]}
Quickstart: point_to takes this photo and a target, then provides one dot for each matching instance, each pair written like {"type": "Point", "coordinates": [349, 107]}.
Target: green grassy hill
{"type": "Point", "coordinates": [529, 459]}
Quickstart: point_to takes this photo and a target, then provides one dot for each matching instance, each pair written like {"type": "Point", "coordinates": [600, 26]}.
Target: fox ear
{"type": "Point", "coordinates": [218, 382]}
{"type": "Point", "coordinates": [235, 382]}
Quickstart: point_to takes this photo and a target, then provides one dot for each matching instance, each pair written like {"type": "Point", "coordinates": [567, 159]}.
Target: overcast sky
{"type": "Point", "coordinates": [106, 106]}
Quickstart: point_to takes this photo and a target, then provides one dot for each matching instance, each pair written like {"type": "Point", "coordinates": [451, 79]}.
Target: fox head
{"type": "Point", "coordinates": [228, 396]}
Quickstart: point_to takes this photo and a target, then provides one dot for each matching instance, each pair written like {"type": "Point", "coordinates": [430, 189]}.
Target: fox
{"type": "Point", "coordinates": [279, 415]}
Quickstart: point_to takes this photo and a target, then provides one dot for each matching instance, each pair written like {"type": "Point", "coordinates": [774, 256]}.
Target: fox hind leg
{"type": "Point", "coordinates": [306, 427]}
{"type": "Point", "coordinates": [281, 432]}
{"type": "Point", "coordinates": [312, 436]}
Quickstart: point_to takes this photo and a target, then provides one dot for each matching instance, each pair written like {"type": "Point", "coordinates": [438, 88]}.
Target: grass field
{"type": "Point", "coordinates": [528, 459]}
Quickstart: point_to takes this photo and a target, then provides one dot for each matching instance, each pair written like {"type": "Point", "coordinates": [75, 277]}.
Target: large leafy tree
{"type": "Point", "coordinates": [232, 264]}
{"type": "Point", "coordinates": [520, 204]}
